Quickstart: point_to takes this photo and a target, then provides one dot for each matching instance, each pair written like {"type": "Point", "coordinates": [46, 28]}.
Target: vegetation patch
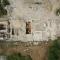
{"type": "Point", "coordinates": [18, 56]}
{"type": "Point", "coordinates": [3, 4]}
{"type": "Point", "coordinates": [58, 12]}
{"type": "Point", "coordinates": [54, 50]}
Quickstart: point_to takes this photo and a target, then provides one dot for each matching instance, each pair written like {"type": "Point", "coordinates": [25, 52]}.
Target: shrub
{"type": "Point", "coordinates": [58, 12]}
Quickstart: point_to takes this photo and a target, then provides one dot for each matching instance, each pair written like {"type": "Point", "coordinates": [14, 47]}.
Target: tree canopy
{"type": "Point", "coordinates": [54, 50]}
{"type": "Point", "coordinates": [3, 4]}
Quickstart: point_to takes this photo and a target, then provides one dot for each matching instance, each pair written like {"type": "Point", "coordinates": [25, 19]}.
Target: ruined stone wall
{"type": "Point", "coordinates": [42, 15]}
{"type": "Point", "coordinates": [40, 30]}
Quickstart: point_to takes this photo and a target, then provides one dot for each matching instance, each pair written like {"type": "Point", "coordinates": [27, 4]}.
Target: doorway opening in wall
{"type": "Point", "coordinates": [12, 31]}
{"type": "Point", "coordinates": [3, 34]}
{"type": "Point", "coordinates": [2, 27]}
{"type": "Point", "coordinates": [28, 27]}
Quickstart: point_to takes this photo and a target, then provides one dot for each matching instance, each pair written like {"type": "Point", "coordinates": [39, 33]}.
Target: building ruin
{"type": "Point", "coordinates": [30, 21]}
{"type": "Point", "coordinates": [29, 31]}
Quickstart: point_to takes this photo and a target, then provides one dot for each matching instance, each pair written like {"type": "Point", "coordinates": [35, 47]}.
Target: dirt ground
{"type": "Point", "coordinates": [38, 52]}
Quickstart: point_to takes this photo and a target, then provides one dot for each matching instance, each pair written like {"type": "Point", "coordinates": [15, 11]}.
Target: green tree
{"type": "Point", "coordinates": [54, 50]}
{"type": "Point", "coordinates": [3, 4]}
